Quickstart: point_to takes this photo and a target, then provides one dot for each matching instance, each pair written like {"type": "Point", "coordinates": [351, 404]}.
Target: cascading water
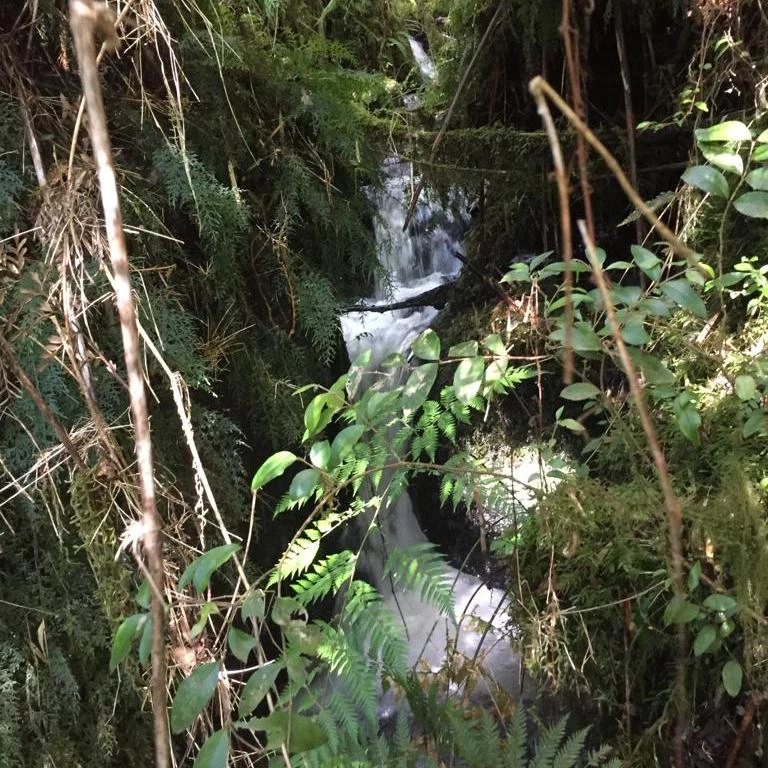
{"type": "Point", "coordinates": [415, 261]}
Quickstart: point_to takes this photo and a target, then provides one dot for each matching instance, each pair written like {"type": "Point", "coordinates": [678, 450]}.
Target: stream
{"type": "Point", "coordinates": [415, 260]}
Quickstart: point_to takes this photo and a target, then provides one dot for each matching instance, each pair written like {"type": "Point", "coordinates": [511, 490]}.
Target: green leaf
{"type": "Point", "coordinates": [199, 571]}
{"type": "Point", "coordinates": [745, 387]}
{"type": "Point", "coordinates": [495, 345]}
{"type": "Point", "coordinates": [645, 259]}
{"type": "Point", "coordinates": [584, 338]}
{"type": "Point", "coordinates": [580, 391]}
{"type": "Point", "coordinates": [694, 576]}
{"type": "Point", "coordinates": [273, 467]}
{"type": "Point", "coordinates": [727, 161]}
{"type": "Point", "coordinates": [704, 639]}
{"type": "Point", "coordinates": [394, 360]}
{"type": "Point", "coordinates": [717, 603]}
{"type": "Point", "coordinates": [320, 454]}
{"type": "Point", "coordinates": [300, 732]}
{"type": "Point", "coordinates": [634, 333]}
{"type": "Point", "coordinates": [689, 421]}
{"type": "Point", "coordinates": [572, 424]}
{"type": "Point", "coordinates": [144, 595]}
{"type": "Point", "coordinates": [682, 293]}
{"type": "Point", "coordinates": [304, 483]}
{"type": "Point", "coordinates": [124, 637]}
{"type": "Point", "coordinates": [730, 130]}
{"type": "Point", "coordinates": [758, 179]}
{"type": "Point", "coordinates": [192, 695]}
{"type": "Point", "coordinates": [427, 346]}
{"type": "Point", "coordinates": [752, 204]}
{"type": "Point", "coordinates": [760, 154]}
{"type": "Point", "coordinates": [257, 687]}
{"type": "Point", "coordinates": [207, 610]}
{"type": "Point", "coordinates": [754, 424]}
{"type": "Point", "coordinates": [763, 137]}
{"type": "Point", "coordinates": [732, 677]}
{"type": "Point", "coordinates": [241, 643]}
{"type": "Point", "coordinates": [253, 606]}
{"type": "Point", "coordinates": [680, 611]}
{"type": "Point", "coordinates": [215, 752]}
{"type": "Point", "coordinates": [145, 643]}
{"type": "Point", "coordinates": [345, 441]}
{"type": "Point", "coordinates": [468, 379]}
{"type": "Point", "coordinates": [416, 389]}
{"type": "Point", "coordinates": [518, 273]}
{"type": "Point", "coordinates": [465, 349]}
{"type": "Point", "coordinates": [707, 179]}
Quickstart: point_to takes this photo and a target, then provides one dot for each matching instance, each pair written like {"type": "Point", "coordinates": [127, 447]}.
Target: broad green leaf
{"type": "Point", "coordinates": [655, 306]}
{"type": "Point", "coordinates": [707, 179]}
{"type": "Point", "coordinates": [145, 643]}
{"type": "Point", "coordinates": [760, 154]}
{"type": "Point", "coordinates": [730, 130]}
{"type": "Point", "coordinates": [207, 610]}
{"type": "Point", "coordinates": [704, 639]}
{"type": "Point", "coordinates": [682, 293]}
{"type": "Point", "coordinates": [732, 677]}
{"type": "Point", "coordinates": [518, 273]}
{"type": "Point", "coordinates": [199, 571]}
{"type": "Point", "coordinates": [763, 137]}
{"type": "Point", "coordinates": [746, 388]}
{"type": "Point", "coordinates": [540, 259]}
{"type": "Point", "coordinates": [689, 421]}
{"type": "Point", "coordinates": [653, 369]}
{"type": "Point", "coordinates": [394, 360]}
{"type": "Point", "coordinates": [241, 643]}
{"type": "Point", "coordinates": [345, 441]}
{"type": "Point", "coordinates": [727, 628]}
{"type": "Point", "coordinates": [583, 338]}
{"type": "Point", "coordinates": [694, 576]}
{"type": "Point", "coordinates": [752, 204]}
{"type": "Point", "coordinates": [758, 179]}
{"type": "Point", "coordinates": [304, 483]}
{"type": "Point", "coordinates": [427, 346]}
{"type": "Point", "coordinates": [680, 611]}
{"type": "Point", "coordinates": [273, 467]}
{"type": "Point", "coordinates": [317, 415]}
{"type": "Point", "coordinates": [215, 752]}
{"type": "Point", "coordinates": [124, 637]}
{"type": "Point", "coordinates": [253, 606]}
{"type": "Point", "coordinates": [288, 611]}
{"type": "Point", "coordinates": [495, 345]}
{"type": "Point", "coordinates": [468, 379]}
{"type": "Point", "coordinates": [644, 258]}
{"type": "Point", "coordinates": [300, 732]}
{"type": "Point", "coordinates": [572, 424]}
{"type": "Point", "coordinates": [754, 424]}
{"type": "Point", "coordinates": [559, 267]}
{"type": "Point", "coordinates": [465, 349]}
{"type": "Point", "coordinates": [144, 595]}
{"type": "Point", "coordinates": [320, 454]}
{"type": "Point", "coordinates": [634, 333]}
{"type": "Point", "coordinates": [580, 391]}
{"type": "Point", "coordinates": [727, 161]}
{"type": "Point", "coordinates": [192, 695]}
{"type": "Point", "coordinates": [718, 602]}
{"type": "Point", "coordinates": [416, 389]}
{"type": "Point", "coordinates": [257, 687]}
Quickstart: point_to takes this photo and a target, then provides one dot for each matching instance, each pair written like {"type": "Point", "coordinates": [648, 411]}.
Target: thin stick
{"type": "Point", "coordinates": [565, 224]}
{"type": "Point", "coordinates": [671, 502]}
{"type": "Point", "coordinates": [540, 85]}
{"type": "Point", "coordinates": [85, 17]}
{"type": "Point", "coordinates": [449, 114]}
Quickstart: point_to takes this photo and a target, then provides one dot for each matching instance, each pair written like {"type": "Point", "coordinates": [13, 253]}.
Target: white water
{"type": "Point", "coordinates": [417, 260]}
{"type": "Point", "coordinates": [424, 63]}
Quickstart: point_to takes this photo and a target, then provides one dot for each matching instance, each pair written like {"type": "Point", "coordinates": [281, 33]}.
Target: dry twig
{"type": "Point", "coordinates": [85, 17]}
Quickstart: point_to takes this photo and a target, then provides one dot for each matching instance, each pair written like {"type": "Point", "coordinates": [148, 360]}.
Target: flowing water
{"type": "Point", "coordinates": [416, 260]}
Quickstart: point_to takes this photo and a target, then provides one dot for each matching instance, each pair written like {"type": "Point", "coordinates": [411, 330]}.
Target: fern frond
{"type": "Point", "coordinates": [327, 576]}
{"type": "Point", "coordinates": [569, 753]}
{"type": "Point", "coordinates": [549, 743]}
{"type": "Point", "coordinates": [422, 568]}
{"type": "Point", "coordinates": [516, 744]}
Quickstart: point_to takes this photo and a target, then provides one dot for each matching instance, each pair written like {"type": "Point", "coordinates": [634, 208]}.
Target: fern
{"type": "Point", "coordinates": [326, 577]}
{"type": "Point", "coordinates": [422, 568]}
{"type": "Point", "coordinates": [548, 745]}
{"type": "Point", "coordinates": [516, 744]}
{"type": "Point", "coordinates": [317, 312]}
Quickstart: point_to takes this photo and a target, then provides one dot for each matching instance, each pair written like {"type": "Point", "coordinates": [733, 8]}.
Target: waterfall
{"type": "Point", "coordinates": [414, 261]}
{"type": "Point", "coordinates": [424, 63]}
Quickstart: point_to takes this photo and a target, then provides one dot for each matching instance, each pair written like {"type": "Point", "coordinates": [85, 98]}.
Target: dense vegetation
{"type": "Point", "coordinates": [245, 134]}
